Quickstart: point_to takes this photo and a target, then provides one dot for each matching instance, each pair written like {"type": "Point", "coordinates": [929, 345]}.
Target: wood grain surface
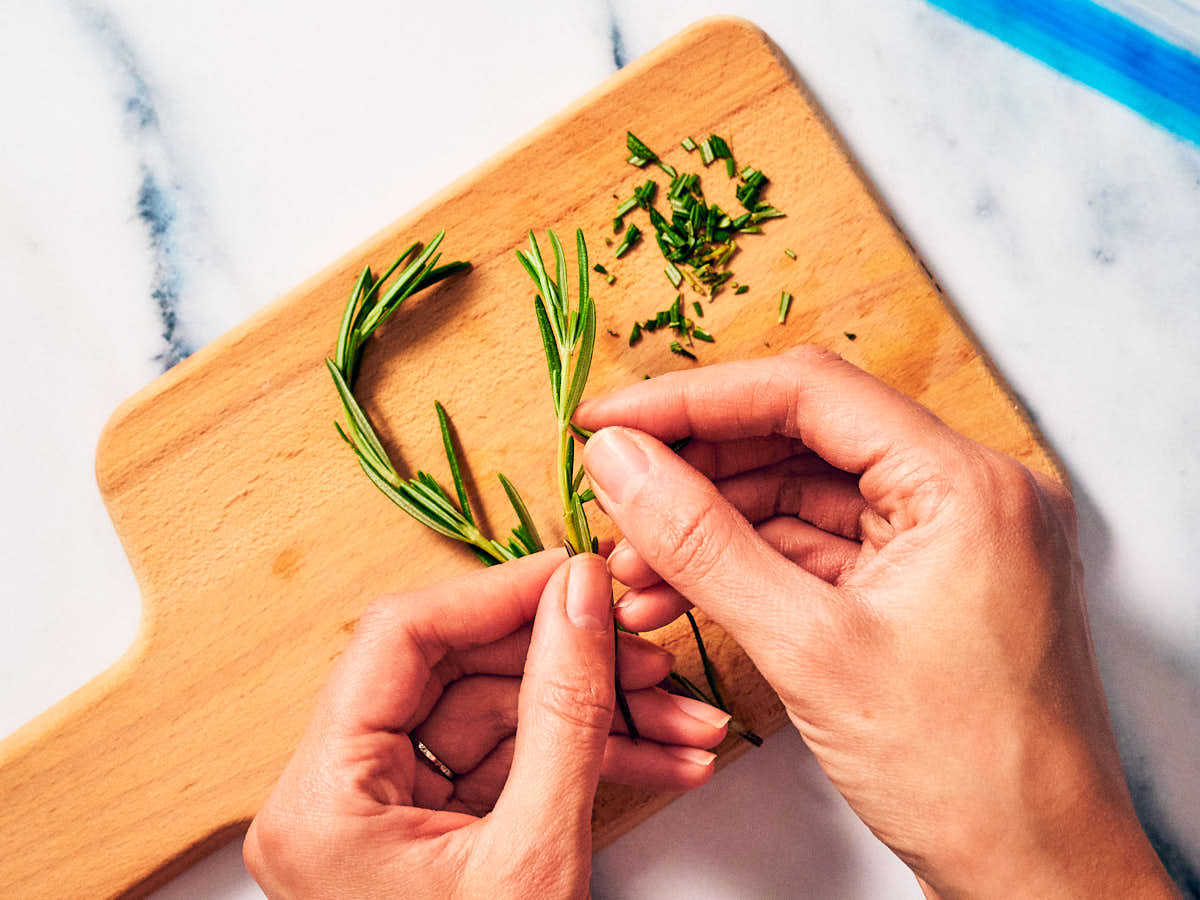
{"type": "Point", "coordinates": [257, 540]}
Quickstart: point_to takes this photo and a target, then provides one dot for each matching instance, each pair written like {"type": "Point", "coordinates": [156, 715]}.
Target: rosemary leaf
{"type": "Point", "coordinates": [550, 345]}
{"type": "Point", "coordinates": [522, 511]}
{"type": "Point", "coordinates": [632, 234]}
{"type": "Point", "coordinates": [452, 458]}
{"type": "Point", "coordinates": [348, 318]}
{"type": "Point", "coordinates": [583, 363]}
{"type": "Point", "coordinates": [359, 425]}
{"type": "Point", "coordinates": [710, 673]}
{"type": "Point", "coordinates": [679, 350]}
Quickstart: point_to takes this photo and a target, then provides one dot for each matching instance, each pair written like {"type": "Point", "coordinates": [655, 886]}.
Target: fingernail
{"type": "Point", "coordinates": [701, 711]}
{"type": "Point", "coordinates": [622, 554]}
{"type": "Point", "coordinates": [627, 600]}
{"type": "Point", "coordinates": [589, 593]}
{"type": "Point", "coordinates": [692, 754]}
{"type": "Point", "coordinates": [615, 463]}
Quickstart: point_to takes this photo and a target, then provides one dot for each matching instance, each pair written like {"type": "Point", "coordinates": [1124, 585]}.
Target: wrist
{"type": "Point", "coordinates": [1080, 838]}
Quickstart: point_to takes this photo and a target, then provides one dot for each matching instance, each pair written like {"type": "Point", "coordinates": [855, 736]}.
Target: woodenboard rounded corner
{"type": "Point", "coordinates": [736, 26]}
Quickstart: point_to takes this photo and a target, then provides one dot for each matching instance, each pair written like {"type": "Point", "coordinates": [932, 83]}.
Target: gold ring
{"type": "Point", "coordinates": [433, 760]}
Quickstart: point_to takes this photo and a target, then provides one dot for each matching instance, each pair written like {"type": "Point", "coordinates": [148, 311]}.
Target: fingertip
{"type": "Point", "coordinates": [628, 567]}
{"type": "Point", "coordinates": [589, 593]}
{"type": "Point", "coordinates": [644, 609]}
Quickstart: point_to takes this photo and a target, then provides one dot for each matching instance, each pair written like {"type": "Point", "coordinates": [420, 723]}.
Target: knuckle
{"type": "Point", "coordinates": [1016, 493]}
{"type": "Point", "coordinates": [807, 355]}
{"type": "Point", "coordinates": [267, 846]}
{"type": "Point", "coordinates": [692, 540]}
{"type": "Point", "coordinates": [582, 702]}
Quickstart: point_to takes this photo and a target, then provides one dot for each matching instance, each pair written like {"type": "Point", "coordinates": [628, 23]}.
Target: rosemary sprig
{"type": "Point", "coordinates": [422, 497]}
{"type": "Point", "coordinates": [568, 332]}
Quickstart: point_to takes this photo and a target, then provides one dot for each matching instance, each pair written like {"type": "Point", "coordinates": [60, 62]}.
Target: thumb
{"type": "Point", "coordinates": [565, 709]}
{"type": "Point", "coordinates": [699, 543]}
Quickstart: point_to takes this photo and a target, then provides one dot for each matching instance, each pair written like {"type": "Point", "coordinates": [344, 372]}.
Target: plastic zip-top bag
{"type": "Point", "coordinates": [1143, 53]}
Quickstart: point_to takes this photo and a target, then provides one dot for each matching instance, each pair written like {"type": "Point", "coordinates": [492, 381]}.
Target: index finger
{"type": "Point", "coordinates": [846, 416]}
{"type": "Point", "coordinates": [379, 680]}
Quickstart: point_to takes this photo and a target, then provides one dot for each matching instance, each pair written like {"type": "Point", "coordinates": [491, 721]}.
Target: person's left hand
{"type": "Point", "coordinates": [358, 812]}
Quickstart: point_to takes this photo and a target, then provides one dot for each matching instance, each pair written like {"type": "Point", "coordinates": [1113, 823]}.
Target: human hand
{"type": "Point", "coordinates": [357, 813]}
{"type": "Point", "coordinates": [915, 598]}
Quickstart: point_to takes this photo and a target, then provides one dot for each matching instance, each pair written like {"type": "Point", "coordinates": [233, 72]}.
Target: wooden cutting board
{"type": "Point", "coordinates": [257, 540]}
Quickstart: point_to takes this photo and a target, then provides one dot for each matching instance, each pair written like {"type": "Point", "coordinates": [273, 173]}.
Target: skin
{"type": "Point", "coordinates": [357, 814]}
{"type": "Point", "coordinates": [915, 598]}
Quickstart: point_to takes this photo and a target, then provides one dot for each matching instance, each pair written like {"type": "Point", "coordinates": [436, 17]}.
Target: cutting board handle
{"type": "Point", "coordinates": [68, 776]}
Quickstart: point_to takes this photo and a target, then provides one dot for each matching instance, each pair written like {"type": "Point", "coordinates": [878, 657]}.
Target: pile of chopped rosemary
{"type": "Point", "coordinates": [699, 239]}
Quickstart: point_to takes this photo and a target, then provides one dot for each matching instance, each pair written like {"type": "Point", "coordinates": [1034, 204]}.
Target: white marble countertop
{"type": "Point", "coordinates": [169, 168]}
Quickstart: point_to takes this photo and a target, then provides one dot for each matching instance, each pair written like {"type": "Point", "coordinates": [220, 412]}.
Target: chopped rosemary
{"type": "Point", "coordinates": [599, 268]}
{"type": "Point", "coordinates": [850, 335]}
{"type": "Point", "coordinates": [791, 253]}
{"type": "Point", "coordinates": [701, 335]}
{"type": "Point", "coordinates": [640, 155]}
{"type": "Point", "coordinates": [699, 238]}
{"type": "Point", "coordinates": [636, 334]}
{"type": "Point", "coordinates": [632, 234]}
{"type": "Point", "coordinates": [688, 144]}
{"type": "Point", "coordinates": [673, 274]}
{"type": "Point", "coordinates": [680, 350]}
{"type": "Point", "coordinates": [720, 150]}
{"type": "Point", "coordinates": [698, 308]}
{"type": "Point", "coordinates": [785, 303]}
{"type": "Point", "coordinates": [742, 288]}
{"type": "Point", "coordinates": [609, 279]}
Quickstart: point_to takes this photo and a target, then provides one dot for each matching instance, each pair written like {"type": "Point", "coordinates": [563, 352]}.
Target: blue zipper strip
{"type": "Point", "coordinates": [1100, 48]}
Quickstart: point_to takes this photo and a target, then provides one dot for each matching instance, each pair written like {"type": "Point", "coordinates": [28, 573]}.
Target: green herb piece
{"type": "Point", "coordinates": [640, 155]}
{"type": "Point", "coordinates": [678, 349]}
{"type": "Point", "coordinates": [688, 144]}
{"type": "Point", "coordinates": [568, 336]}
{"type": "Point", "coordinates": [610, 279]}
{"type": "Point", "coordinates": [673, 274]}
{"type": "Point", "coordinates": [785, 303]}
{"type": "Point", "coordinates": [698, 308]}
{"type": "Point", "coordinates": [643, 195]}
{"type": "Point", "coordinates": [612, 333]}
{"type": "Point", "coordinates": [632, 234]}
{"type": "Point", "coordinates": [526, 531]}
{"type": "Point", "coordinates": [599, 268]}
{"type": "Point", "coordinates": [626, 207]}
{"type": "Point", "coordinates": [569, 333]}
{"type": "Point", "coordinates": [706, 151]}
{"type": "Point", "coordinates": [710, 673]}
{"type": "Point", "coordinates": [636, 334]}
{"type": "Point", "coordinates": [742, 288]}
{"type": "Point", "coordinates": [850, 335]}
{"type": "Point", "coordinates": [720, 150]}
{"type": "Point", "coordinates": [753, 182]}
{"type": "Point", "coordinates": [701, 335]}
{"type": "Point", "coordinates": [452, 458]}
{"type": "Point", "coordinates": [791, 253]}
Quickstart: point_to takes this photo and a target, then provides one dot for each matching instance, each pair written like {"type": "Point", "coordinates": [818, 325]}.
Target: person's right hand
{"type": "Point", "coordinates": [915, 598]}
